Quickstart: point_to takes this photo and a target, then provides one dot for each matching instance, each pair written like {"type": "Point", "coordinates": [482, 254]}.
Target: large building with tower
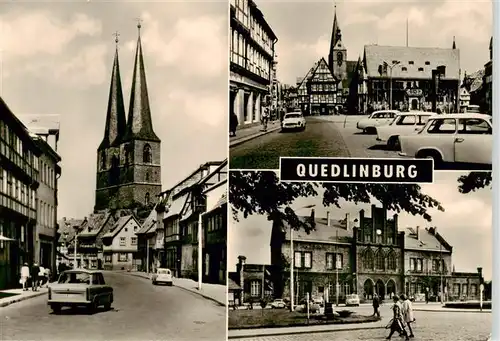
{"type": "Point", "coordinates": [128, 158]}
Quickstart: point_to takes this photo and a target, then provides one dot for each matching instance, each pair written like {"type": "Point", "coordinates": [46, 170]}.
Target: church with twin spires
{"type": "Point", "coordinates": [128, 158]}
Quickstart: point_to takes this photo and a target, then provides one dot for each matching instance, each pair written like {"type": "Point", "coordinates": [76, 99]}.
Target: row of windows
{"type": "Point", "coordinates": [379, 239]}
{"type": "Point", "coordinates": [147, 157]}
{"type": "Point", "coordinates": [17, 190]}
{"type": "Point", "coordinates": [248, 57]}
{"type": "Point", "coordinates": [465, 289]}
{"type": "Point", "coordinates": [323, 98]}
{"type": "Point", "coordinates": [46, 214]}
{"type": "Point", "coordinates": [378, 261]}
{"type": "Point", "coordinates": [323, 87]}
{"type": "Point", "coordinates": [417, 265]}
{"type": "Point", "coordinates": [47, 175]}
{"type": "Point", "coordinates": [122, 257]}
{"type": "Point", "coordinates": [123, 241]}
{"type": "Point", "coordinates": [12, 147]}
{"type": "Point", "coordinates": [215, 223]}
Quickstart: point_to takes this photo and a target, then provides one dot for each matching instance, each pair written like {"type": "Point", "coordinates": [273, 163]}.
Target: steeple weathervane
{"type": "Point", "coordinates": [116, 35]}
{"type": "Point", "coordinates": [139, 25]}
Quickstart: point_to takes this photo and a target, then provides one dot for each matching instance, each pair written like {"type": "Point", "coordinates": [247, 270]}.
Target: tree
{"type": "Point", "coordinates": [474, 181]}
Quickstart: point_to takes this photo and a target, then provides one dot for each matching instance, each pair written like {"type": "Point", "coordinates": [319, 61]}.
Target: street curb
{"type": "Point", "coordinates": [186, 289]}
{"type": "Point", "coordinates": [251, 137]}
{"type": "Point", "coordinates": [303, 332]}
{"type": "Point", "coordinates": [453, 311]}
{"type": "Point", "coordinates": [20, 299]}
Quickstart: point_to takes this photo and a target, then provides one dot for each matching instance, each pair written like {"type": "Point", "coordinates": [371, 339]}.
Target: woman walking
{"type": "Point", "coordinates": [397, 323]}
{"type": "Point", "coordinates": [407, 313]}
{"type": "Point", "coordinates": [25, 274]}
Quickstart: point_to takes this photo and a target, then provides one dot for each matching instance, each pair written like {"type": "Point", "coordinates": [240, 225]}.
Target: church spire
{"type": "Point", "coordinates": [139, 123]}
{"type": "Point", "coordinates": [336, 36]}
{"type": "Point", "coordinates": [454, 46]}
{"type": "Point", "coordinates": [115, 116]}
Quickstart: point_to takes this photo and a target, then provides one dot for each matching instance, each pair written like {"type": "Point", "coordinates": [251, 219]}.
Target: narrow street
{"type": "Point", "coordinates": [141, 311]}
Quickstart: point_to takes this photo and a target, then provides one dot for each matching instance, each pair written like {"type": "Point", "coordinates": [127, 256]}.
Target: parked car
{"type": "Point", "coordinates": [472, 108]}
{"type": "Point", "coordinates": [80, 287]}
{"type": "Point", "coordinates": [403, 124]}
{"type": "Point", "coordinates": [293, 120]}
{"type": "Point", "coordinates": [352, 300]}
{"type": "Point", "coordinates": [376, 119]}
{"type": "Point", "coordinates": [464, 138]}
{"type": "Point", "coordinates": [162, 276]}
{"type": "Point", "coordinates": [319, 301]}
{"type": "Point", "coordinates": [278, 304]}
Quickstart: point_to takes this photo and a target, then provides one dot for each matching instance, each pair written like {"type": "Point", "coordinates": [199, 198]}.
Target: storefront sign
{"type": "Point", "coordinates": [414, 92]}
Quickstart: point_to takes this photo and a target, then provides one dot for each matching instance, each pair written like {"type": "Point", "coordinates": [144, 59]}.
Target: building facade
{"type": "Point", "coordinates": [251, 62]}
{"type": "Point", "coordinates": [488, 81]}
{"type": "Point", "coordinates": [368, 255]}
{"type": "Point", "coordinates": [414, 78]}
{"type": "Point", "coordinates": [120, 245]}
{"type": "Point", "coordinates": [128, 158]}
{"type": "Point", "coordinates": [19, 182]}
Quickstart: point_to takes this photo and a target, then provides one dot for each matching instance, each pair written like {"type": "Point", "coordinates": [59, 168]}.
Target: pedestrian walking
{"type": "Point", "coordinates": [265, 118]}
{"type": "Point", "coordinates": [397, 322]}
{"type": "Point", "coordinates": [48, 275]}
{"type": "Point", "coordinates": [376, 305]}
{"type": "Point", "coordinates": [407, 313]}
{"type": "Point", "coordinates": [35, 270]}
{"type": "Point", "coordinates": [233, 124]}
{"type": "Point", "coordinates": [25, 275]}
{"type": "Point", "coordinates": [41, 275]}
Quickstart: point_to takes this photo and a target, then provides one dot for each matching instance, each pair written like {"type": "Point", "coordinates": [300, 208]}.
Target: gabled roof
{"type": "Point", "coordinates": [118, 226]}
{"type": "Point", "coordinates": [149, 225]}
{"type": "Point", "coordinates": [67, 229]}
{"type": "Point", "coordinates": [337, 232]}
{"type": "Point", "coordinates": [307, 76]}
{"type": "Point", "coordinates": [93, 225]}
{"type": "Point", "coordinates": [177, 205]}
{"type": "Point", "coordinates": [422, 57]}
{"type": "Point", "coordinates": [426, 241]}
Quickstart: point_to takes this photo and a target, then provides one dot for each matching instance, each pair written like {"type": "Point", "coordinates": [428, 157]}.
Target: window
{"type": "Point", "coordinates": [442, 126]}
{"type": "Point", "coordinates": [420, 265]}
{"type": "Point", "coordinates": [416, 264]}
{"type": "Point", "coordinates": [456, 289]}
{"type": "Point", "coordinates": [427, 63]}
{"type": "Point", "coordinates": [368, 260]}
{"type": "Point", "coordinates": [474, 126]}
{"type": "Point", "coordinates": [122, 257]}
{"type": "Point", "coordinates": [334, 261]}
{"type": "Point", "coordinates": [391, 261]}
{"type": "Point", "coordinates": [146, 199]}
{"type": "Point", "coordinates": [146, 154]}
{"type": "Point", "coordinates": [473, 289]}
{"type": "Point", "coordinates": [103, 160]}
{"type": "Point", "coordinates": [380, 261]}
{"type": "Point", "coordinates": [404, 68]}
{"type": "Point", "coordinates": [303, 260]}
{"type": "Point", "coordinates": [147, 176]}
{"type": "Point", "coordinates": [329, 261]}
{"type": "Point", "coordinates": [464, 289]}
{"type": "Point", "coordinates": [407, 120]}
{"type": "Point", "coordinates": [255, 288]}
{"type": "Point", "coordinates": [123, 241]}
{"type": "Point", "coordinates": [435, 265]}
{"type": "Point", "coordinates": [421, 69]}
{"type": "Point", "coordinates": [411, 62]}
{"type": "Point", "coordinates": [133, 240]}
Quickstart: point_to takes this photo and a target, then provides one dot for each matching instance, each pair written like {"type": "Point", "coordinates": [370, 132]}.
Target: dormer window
{"type": "Point", "coordinates": [427, 63]}
{"type": "Point", "coordinates": [395, 61]}
{"type": "Point", "coordinates": [404, 68]}
{"type": "Point", "coordinates": [411, 62]}
{"type": "Point", "coordinates": [421, 69]}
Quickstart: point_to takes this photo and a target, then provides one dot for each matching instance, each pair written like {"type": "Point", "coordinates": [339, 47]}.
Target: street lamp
{"type": "Point", "coordinates": [76, 243]}
{"type": "Point", "coordinates": [391, 66]}
{"type": "Point", "coordinates": [292, 261]}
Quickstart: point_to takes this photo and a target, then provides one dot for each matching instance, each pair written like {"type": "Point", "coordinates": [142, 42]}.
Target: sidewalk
{"type": "Point", "coordinates": [261, 332]}
{"type": "Point", "coordinates": [248, 133]}
{"type": "Point", "coordinates": [214, 292]}
{"type": "Point", "coordinates": [20, 295]}
{"type": "Point", "coordinates": [439, 308]}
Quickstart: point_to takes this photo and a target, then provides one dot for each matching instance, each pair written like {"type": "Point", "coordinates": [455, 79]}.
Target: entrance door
{"type": "Point", "coordinates": [232, 99]}
{"type": "Point", "coordinates": [248, 113]}
{"type": "Point", "coordinates": [380, 289]}
{"type": "Point", "coordinates": [414, 104]}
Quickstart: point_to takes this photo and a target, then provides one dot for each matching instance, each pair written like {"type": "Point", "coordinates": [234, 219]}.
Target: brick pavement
{"type": "Point", "coordinates": [248, 133]}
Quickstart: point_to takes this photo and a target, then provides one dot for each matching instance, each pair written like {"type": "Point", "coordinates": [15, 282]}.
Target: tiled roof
{"type": "Point", "coordinates": [222, 201]}
{"type": "Point", "coordinates": [67, 229]}
{"type": "Point", "coordinates": [426, 240]}
{"type": "Point", "coordinates": [120, 223]}
{"type": "Point", "coordinates": [176, 206]}
{"type": "Point", "coordinates": [352, 66]}
{"type": "Point", "coordinates": [336, 232]}
{"type": "Point", "coordinates": [231, 285]}
{"type": "Point", "coordinates": [474, 81]}
{"type": "Point", "coordinates": [93, 224]}
{"type": "Point", "coordinates": [375, 56]}
{"type": "Point", "coordinates": [149, 224]}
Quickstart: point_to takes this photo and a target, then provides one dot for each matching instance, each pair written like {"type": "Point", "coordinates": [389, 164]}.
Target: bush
{"type": "Point", "coordinates": [345, 313]}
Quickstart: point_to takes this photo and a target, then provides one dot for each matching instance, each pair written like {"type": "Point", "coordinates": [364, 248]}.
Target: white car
{"type": "Point", "coordinates": [376, 119]}
{"type": "Point", "coordinates": [352, 300]}
{"type": "Point", "coordinates": [293, 120]}
{"type": "Point", "coordinates": [403, 124]}
{"type": "Point", "coordinates": [162, 276]}
{"type": "Point", "coordinates": [278, 304]}
{"type": "Point", "coordinates": [463, 138]}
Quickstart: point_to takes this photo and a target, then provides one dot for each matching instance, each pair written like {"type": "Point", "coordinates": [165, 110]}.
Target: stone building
{"type": "Point", "coordinates": [120, 245]}
{"type": "Point", "coordinates": [488, 81]}
{"type": "Point", "coordinates": [19, 182]}
{"type": "Point", "coordinates": [251, 61]}
{"type": "Point", "coordinates": [128, 158]}
{"type": "Point", "coordinates": [366, 255]}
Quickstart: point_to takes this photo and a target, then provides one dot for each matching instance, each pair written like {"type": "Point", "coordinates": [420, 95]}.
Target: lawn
{"type": "Point", "coordinates": [271, 318]}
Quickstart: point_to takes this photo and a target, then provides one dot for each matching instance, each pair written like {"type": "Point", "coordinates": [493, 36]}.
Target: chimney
{"type": "Point", "coordinates": [313, 215]}
{"type": "Point", "coordinates": [347, 221]}
{"type": "Point", "coordinates": [328, 220]}
{"type": "Point", "coordinates": [418, 232]}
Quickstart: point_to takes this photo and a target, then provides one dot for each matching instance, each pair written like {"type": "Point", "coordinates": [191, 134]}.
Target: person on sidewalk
{"type": "Point", "coordinates": [41, 276]}
{"type": "Point", "coordinates": [407, 313]}
{"type": "Point", "coordinates": [397, 322]}
{"type": "Point", "coordinates": [47, 274]}
{"type": "Point", "coordinates": [25, 275]}
{"type": "Point", "coordinates": [35, 270]}
{"type": "Point", "coordinates": [265, 118]}
{"type": "Point", "coordinates": [376, 306]}
{"type": "Point", "coordinates": [233, 124]}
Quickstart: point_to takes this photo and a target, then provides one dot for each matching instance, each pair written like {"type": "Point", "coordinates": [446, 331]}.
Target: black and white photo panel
{"type": "Point", "coordinates": [362, 79]}
{"type": "Point", "coordinates": [360, 261]}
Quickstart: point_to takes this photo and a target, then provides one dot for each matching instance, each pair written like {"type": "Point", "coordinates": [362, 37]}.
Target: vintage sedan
{"type": "Point", "coordinates": [293, 120]}
{"type": "Point", "coordinates": [278, 304]}
{"type": "Point", "coordinates": [461, 138]}
{"type": "Point", "coordinates": [352, 300]}
{"type": "Point", "coordinates": [403, 124]}
{"type": "Point", "coordinates": [162, 276]}
{"type": "Point", "coordinates": [80, 287]}
{"type": "Point", "coordinates": [376, 119]}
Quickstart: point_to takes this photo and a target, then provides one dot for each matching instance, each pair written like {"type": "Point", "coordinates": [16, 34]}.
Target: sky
{"type": "Point", "coordinates": [304, 29]}
{"type": "Point", "coordinates": [466, 224]}
{"type": "Point", "coordinates": [57, 60]}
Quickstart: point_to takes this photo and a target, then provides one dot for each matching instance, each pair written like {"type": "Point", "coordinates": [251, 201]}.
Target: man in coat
{"type": "Point", "coordinates": [407, 310]}
{"type": "Point", "coordinates": [35, 270]}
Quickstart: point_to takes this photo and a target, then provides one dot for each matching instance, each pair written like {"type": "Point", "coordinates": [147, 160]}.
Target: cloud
{"type": "Point", "coordinates": [416, 17]}
{"type": "Point", "coordinates": [196, 46]}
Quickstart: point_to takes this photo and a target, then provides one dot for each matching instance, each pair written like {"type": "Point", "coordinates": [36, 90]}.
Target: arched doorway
{"type": "Point", "coordinates": [368, 289]}
{"type": "Point", "coordinates": [380, 289]}
{"type": "Point", "coordinates": [414, 104]}
{"type": "Point", "coordinates": [391, 288]}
